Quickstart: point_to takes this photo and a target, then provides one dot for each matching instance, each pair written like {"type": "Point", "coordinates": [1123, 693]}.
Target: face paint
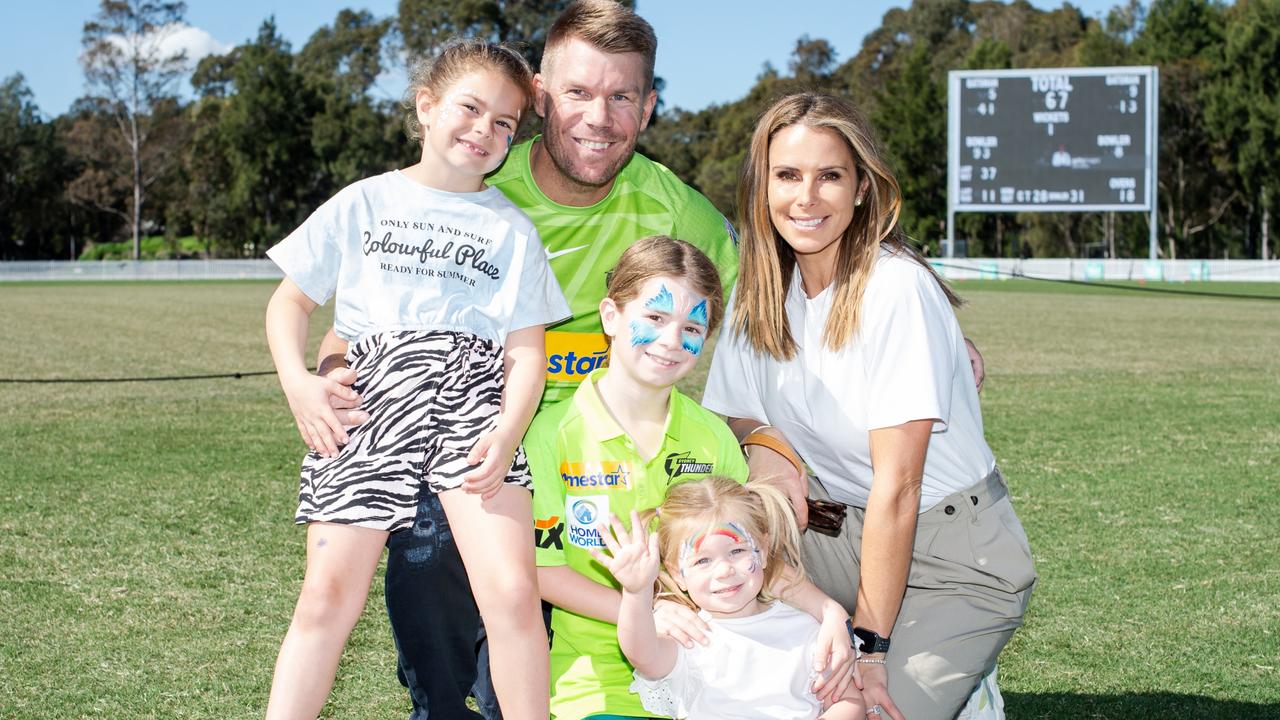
{"type": "Point", "coordinates": [664, 301]}
{"type": "Point", "coordinates": [692, 342]}
{"type": "Point", "coordinates": [642, 333]}
{"type": "Point", "coordinates": [735, 534]}
{"type": "Point", "coordinates": [699, 313]}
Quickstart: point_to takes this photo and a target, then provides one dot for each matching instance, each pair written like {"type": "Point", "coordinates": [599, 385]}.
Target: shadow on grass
{"type": "Point", "coordinates": [1138, 705]}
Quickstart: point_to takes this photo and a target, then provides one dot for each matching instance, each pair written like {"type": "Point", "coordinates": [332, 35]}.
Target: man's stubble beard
{"type": "Point", "coordinates": [558, 151]}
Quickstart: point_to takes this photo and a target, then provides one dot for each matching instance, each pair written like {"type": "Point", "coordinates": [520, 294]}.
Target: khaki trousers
{"type": "Point", "coordinates": [968, 586]}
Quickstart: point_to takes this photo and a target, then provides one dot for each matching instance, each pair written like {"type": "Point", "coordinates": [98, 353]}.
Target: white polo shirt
{"type": "Point", "coordinates": [907, 362]}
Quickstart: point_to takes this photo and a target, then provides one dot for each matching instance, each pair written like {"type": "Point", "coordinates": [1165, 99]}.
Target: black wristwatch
{"type": "Point", "coordinates": [865, 641]}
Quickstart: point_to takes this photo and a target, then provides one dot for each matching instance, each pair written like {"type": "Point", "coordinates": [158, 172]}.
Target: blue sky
{"type": "Point", "coordinates": [708, 50]}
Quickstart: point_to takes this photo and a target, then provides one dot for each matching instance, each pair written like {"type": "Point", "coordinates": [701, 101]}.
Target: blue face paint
{"type": "Point", "coordinates": [692, 343]}
{"type": "Point", "coordinates": [642, 333]}
{"type": "Point", "coordinates": [662, 302]}
{"type": "Point", "coordinates": [699, 314]}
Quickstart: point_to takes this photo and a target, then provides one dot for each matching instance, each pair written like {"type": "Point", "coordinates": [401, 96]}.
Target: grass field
{"type": "Point", "coordinates": [148, 563]}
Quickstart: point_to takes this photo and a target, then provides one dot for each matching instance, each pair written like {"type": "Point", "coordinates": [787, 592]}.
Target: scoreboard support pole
{"type": "Point", "coordinates": [1153, 101]}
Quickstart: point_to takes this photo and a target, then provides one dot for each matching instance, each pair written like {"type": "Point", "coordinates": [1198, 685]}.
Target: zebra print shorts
{"type": "Point", "coordinates": [430, 396]}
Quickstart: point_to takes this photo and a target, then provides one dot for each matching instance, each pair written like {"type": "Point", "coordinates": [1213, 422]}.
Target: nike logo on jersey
{"type": "Point", "coordinates": [566, 251]}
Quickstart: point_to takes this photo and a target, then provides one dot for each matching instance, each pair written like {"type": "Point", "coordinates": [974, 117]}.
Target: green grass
{"type": "Point", "coordinates": [148, 562]}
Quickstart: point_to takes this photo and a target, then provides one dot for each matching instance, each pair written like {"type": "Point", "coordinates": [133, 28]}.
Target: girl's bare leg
{"type": "Point", "coordinates": [495, 539]}
{"type": "Point", "coordinates": [341, 560]}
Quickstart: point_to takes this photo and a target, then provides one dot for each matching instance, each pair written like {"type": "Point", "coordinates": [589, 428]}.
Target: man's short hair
{"type": "Point", "coordinates": [608, 26]}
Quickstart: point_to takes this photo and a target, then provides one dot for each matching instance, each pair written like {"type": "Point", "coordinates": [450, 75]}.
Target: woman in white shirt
{"type": "Point", "coordinates": [841, 347]}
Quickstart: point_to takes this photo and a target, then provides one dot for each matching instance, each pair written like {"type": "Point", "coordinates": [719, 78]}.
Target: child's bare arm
{"type": "Point", "coordinates": [849, 707]}
{"type": "Point", "coordinates": [653, 655]}
{"type": "Point", "coordinates": [570, 590]}
{"type": "Point", "coordinates": [287, 315]}
{"type": "Point", "coordinates": [633, 560]}
{"type": "Point", "coordinates": [525, 372]}
{"type": "Point", "coordinates": [332, 353]}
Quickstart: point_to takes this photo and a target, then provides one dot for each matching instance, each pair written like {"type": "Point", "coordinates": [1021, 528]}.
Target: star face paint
{"type": "Point", "coordinates": [692, 342]}
{"type": "Point", "coordinates": [654, 340]}
{"type": "Point", "coordinates": [643, 333]}
{"type": "Point", "coordinates": [663, 302]}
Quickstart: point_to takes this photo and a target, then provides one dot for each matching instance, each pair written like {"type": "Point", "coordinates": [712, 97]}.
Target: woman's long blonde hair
{"type": "Point", "coordinates": [767, 262]}
{"type": "Point", "coordinates": [764, 511]}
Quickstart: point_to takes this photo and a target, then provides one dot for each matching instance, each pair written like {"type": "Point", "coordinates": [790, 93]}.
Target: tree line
{"type": "Point", "coordinates": [270, 133]}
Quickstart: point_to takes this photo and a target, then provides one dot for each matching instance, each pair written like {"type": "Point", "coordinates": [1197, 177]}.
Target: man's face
{"type": "Point", "coordinates": [594, 105]}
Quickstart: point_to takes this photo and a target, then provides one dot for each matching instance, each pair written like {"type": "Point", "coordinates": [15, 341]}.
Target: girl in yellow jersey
{"type": "Point", "coordinates": [616, 445]}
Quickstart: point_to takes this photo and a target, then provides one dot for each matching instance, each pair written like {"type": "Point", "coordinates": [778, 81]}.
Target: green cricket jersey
{"type": "Point", "coordinates": [585, 467]}
{"type": "Point", "coordinates": [584, 243]}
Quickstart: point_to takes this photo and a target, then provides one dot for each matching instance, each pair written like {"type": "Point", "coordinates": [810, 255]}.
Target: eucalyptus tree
{"type": "Point", "coordinates": [132, 73]}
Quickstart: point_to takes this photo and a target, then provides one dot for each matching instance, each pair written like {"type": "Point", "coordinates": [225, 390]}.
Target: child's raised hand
{"type": "Point", "coordinates": [308, 397]}
{"type": "Point", "coordinates": [492, 453]}
{"type": "Point", "coordinates": [633, 555]}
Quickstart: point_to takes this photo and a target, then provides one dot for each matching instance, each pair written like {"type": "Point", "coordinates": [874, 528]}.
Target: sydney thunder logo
{"type": "Point", "coordinates": [678, 464]}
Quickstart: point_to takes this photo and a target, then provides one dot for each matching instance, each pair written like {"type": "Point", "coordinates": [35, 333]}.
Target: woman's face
{"type": "Point", "coordinates": [813, 185]}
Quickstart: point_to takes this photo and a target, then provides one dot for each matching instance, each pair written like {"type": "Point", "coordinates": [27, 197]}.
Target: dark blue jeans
{"type": "Point", "coordinates": [440, 642]}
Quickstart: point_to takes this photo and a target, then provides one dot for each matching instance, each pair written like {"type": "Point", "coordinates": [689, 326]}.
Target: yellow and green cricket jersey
{"type": "Point", "coordinates": [584, 469]}
{"type": "Point", "coordinates": [584, 243]}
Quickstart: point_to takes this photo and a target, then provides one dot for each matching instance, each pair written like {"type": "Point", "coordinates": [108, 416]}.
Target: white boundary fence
{"type": "Point", "coordinates": [953, 269]}
{"type": "Point", "coordinates": [1109, 270]}
{"type": "Point", "coordinates": [145, 270]}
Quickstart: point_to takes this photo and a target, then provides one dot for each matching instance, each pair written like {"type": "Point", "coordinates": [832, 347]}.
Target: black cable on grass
{"type": "Point", "coordinates": [161, 378]}
{"type": "Point", "coordinates": [1091, 284]}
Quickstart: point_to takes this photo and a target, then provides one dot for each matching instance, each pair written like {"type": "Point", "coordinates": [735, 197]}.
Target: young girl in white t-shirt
{"type": "Point", "coordinates": [719, 547]}
{"type": "Point", "coordinates": [443, 290]}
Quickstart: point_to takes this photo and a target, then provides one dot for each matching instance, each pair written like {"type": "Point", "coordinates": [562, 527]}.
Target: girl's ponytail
{"type": "Point", "coordinates": [783, 551]}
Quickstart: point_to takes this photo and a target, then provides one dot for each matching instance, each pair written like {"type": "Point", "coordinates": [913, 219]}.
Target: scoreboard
{"type": "Point", "coordinates": [1052, 140]}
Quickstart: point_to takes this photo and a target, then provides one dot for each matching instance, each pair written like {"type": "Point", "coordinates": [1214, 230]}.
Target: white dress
{"type": "Point", "coordinates": [754, 667]}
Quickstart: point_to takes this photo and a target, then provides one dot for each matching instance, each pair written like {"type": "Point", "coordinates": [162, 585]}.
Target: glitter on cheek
{"type": "Point", "coordinates": [686, 549]}
{"type": "Point", "coordinates": [642, 333]}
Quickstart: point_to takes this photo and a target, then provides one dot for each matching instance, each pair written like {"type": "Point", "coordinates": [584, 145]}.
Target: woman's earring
{"type": "Point", "coordinates": [858, 202]}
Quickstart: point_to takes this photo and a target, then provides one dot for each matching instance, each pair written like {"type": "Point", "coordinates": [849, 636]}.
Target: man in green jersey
{"type": "Point", "coordinates": [590, 196]}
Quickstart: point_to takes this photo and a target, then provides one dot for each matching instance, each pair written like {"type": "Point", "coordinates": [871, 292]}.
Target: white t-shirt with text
{"type": "Point", "coordinates": [906, 362]}
{"type": "Point", "coordinates": [403, 256]}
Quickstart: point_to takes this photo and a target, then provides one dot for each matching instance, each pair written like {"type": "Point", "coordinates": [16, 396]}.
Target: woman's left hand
{"type": "Point", "coordinates": [833, 657]}
{"type": "Point", "coordinates": [873, 680]}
